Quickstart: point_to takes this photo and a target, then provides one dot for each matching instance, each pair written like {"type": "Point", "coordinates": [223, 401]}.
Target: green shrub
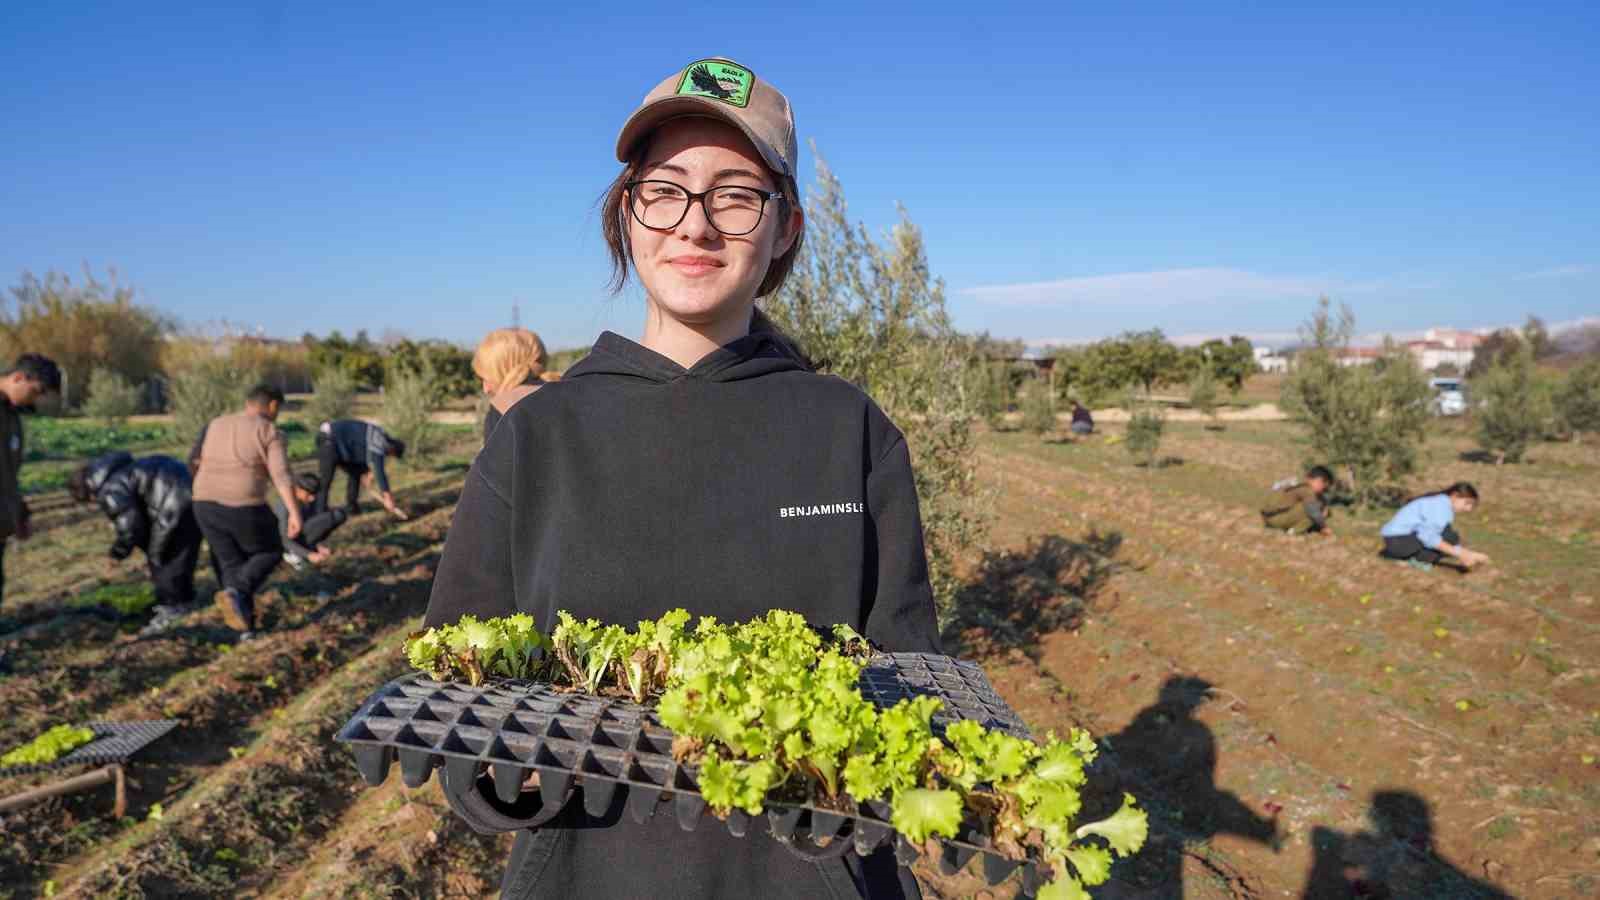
{"type": "Point", "coordinates": [1577, 401]}
{"type": "Point", "coordinates": [1146, 423]}
{"type": "Point", "coordinates": [1038, 408]}
{"type": "Point", "coordinates": [409, 399]}
{"type": "Point", "coordinates": [1203, 392]}
{"type": "Point", "coordinates": [1368, 420]}
{"type": "Point", "coordinates": [1513, 407]}
{"type": "Point", "coordinates": [206, 389]}
{"type": "Point", "coordinates": [112, 398]}
{"type": "Point", "coordinates": [332, 397]}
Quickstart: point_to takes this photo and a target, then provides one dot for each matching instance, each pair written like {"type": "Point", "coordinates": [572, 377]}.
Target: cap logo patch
{"type": "Point", "coordinates": [718, 80]}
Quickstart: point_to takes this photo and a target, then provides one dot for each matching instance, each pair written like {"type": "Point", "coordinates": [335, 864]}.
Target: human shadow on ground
{"type": "Point", "coordinates": [1394, 859]}
{"type": "Point", "coordinates": [1167, 758]}
{"type": "Point", "coordinates": [1016, 597]}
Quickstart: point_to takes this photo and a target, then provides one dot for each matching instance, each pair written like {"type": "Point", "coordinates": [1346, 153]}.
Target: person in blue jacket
{"type": "Point", "coordinates": [1422, 532]}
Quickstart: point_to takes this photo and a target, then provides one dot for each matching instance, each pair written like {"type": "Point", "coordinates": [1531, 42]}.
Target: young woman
{"type": "Point", "coordinates": [1421, 533]}
{"type": "Point", "coordinates": [510, 362]}
{"type": "Point", "coordinates": [706, 466]}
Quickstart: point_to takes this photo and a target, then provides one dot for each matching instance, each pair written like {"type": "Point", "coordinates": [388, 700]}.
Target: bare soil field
{"type": "Point", "coordinates": [1300, 718]}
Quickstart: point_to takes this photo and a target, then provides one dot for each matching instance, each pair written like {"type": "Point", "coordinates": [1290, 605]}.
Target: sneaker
{"type": "Point", "coordinates": [232, 608]}
{"type": "Point", "coordinates": [1419, 565]}
{"type": "Point", "coordinates": [247, 636]}
{"type": "Point", "coordinates": [295, 560]}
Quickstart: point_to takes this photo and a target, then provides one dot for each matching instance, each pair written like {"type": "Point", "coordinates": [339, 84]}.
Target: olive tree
{"type": "Point", "coordinates": [872, 312]}
{"type": "Point", "coordinates": [1370, 421]}
{"type": "Point", "coordinates": [1512, 407]}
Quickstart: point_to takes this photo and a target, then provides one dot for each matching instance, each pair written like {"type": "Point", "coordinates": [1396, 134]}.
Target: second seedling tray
{"type": "Point", "coordinates": [617, 749]}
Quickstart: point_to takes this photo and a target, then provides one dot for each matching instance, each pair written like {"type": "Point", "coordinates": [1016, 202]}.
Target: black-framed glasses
{"type": "Point", "coordinates": [732, 210]}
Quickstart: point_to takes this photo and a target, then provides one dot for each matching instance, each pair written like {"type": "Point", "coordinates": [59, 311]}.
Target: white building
{"type": "Point", "coordinates": [1268, 360]}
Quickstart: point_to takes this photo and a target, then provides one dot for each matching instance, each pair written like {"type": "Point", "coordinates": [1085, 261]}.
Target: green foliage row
{"type": "Point", "coordinates": [48, 747]}
{"type": "Point", "coordinates": [75, 439]}
{"type": "Point", "coordinates": [1513, 406]}
{"type": "Point", "coordinates": [773, 705]}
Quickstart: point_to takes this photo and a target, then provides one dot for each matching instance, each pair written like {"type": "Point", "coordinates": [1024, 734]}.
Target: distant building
{"type": "Point", "coordinates": [1359, 356]}
{"type": "Point", "coordinates": [1445, 346]}
{"type": "Point", "coordinates": [1268, 360]}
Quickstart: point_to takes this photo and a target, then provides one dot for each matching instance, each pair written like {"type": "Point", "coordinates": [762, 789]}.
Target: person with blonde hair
{"type": "Point", "coordinates": [511, 364]}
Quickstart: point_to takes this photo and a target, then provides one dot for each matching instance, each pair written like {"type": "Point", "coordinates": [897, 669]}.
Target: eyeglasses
{"type": "Point", "coordinates": [732, 211]}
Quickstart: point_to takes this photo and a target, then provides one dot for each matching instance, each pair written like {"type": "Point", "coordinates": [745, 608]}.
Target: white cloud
{"type": "Point", "coordinates": [1169, 287]}
{"type": "Point", "coordinates": [1567, 271]}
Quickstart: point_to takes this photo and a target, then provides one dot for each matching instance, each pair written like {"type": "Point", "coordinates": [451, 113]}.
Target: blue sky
{"type": "Point", "coordinates": [1077, 170]}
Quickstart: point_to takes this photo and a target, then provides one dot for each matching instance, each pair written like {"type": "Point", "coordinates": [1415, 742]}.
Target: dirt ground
{"type": "Point", "coordinates": [1300, 718]}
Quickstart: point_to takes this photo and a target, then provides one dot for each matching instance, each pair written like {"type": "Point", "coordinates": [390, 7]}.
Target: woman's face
{"type": "Point", "coordinates": [693, 273]}
{"type": "Point", "coordinates": [1462, 504]}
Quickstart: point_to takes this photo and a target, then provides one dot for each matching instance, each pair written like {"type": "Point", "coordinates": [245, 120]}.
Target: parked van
{"type": "Point", "coordinates": [1449, 396]}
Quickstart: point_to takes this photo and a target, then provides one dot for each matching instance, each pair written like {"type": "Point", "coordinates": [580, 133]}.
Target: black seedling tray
{"type": "Point", "coordinates": [114, 742]}
{"type": "Point", "coordinates": [602, 745]}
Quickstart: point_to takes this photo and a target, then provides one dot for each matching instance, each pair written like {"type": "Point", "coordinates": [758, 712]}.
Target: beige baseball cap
{"type": "Point", "coordinates": [722, 89]}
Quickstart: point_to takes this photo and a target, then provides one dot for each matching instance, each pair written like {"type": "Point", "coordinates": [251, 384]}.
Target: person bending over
{"type": "Point", "coordinates": [1299, 506]}
{"type": "Point", "coordinates": [358, 449]}
{"type": "Point", "coordinates": [237, 459]}
{"type": "Point", "coordinates": [149, 502]}
{"type": "Point", "coordinates": [1422, 532]}
{"type": "Point", "coordinates": [309, 545]}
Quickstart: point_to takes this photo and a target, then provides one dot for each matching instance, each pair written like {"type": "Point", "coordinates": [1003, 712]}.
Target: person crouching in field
{"type": "Point", "coordinates": [511, 364]}
{"type": "Point", "coordinates": [149, 502]}
{"type": "Point", "coordinates": [1082, 421]}
{"type": "Point", "coordinates": [1422, 532]}
{"type": "Point", "coordinates": [656, 474]}
{"type": "Point", "coordinates": [308, 546]}
{"type": "Point", "coordinates": [237, 459]}
{"type": "Point", "coordinates": [1300, 506]}
{"type": "Point", "coordinates": [358, 449]}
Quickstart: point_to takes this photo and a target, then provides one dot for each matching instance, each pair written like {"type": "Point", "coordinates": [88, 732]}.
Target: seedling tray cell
{"type": "Point", "coordinates": [618, 751]}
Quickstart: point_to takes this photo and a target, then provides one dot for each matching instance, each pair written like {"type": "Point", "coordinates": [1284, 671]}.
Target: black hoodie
{"type": "Point", "coordinates": [633, 486]}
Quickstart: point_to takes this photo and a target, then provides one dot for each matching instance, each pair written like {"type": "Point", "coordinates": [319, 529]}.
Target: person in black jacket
{"type": "Point", "coordinates": [149, 502]}
{"type": "Point", "coordinates": [707, 466]}
{"type": "Point", "coordinates": [358, 449]}
{"type": "Point", "coordinates": [309, 546]}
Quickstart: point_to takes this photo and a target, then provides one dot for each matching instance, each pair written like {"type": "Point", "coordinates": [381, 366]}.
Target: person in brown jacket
{"type": "Point", "coordinates": [33, 377]}
{"type": "Point", "coordinates": [237, 459]}
{"type": "Point", "coordinates": [1300, 506]}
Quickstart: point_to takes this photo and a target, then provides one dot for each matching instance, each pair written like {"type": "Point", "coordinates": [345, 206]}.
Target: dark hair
{"type": "Point", "coordinates": [264, 393]}
{"type": "Point", "coordinates": [40, 368]}
{"type": "Point", "coordinates": [78, 484]}
{"type": "Point", "coordinates": [310, 482]}
{"type": "Point", "coordinates": [1320, 472]}
{"type": "Point", "coordinates": [397, 447]}
{"type": "Point", "coordinates": [1459, 489]}
{"type": "Point", "coordinates": [614, 223]}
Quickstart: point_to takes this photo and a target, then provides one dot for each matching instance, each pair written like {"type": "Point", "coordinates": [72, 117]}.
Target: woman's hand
{"type": "Point", "coordinates": [1470, 558]}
